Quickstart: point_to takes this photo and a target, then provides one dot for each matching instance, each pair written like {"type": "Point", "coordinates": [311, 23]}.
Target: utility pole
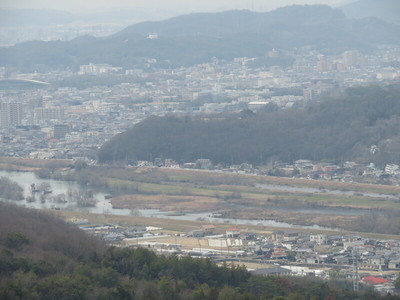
{"type": "Point", "coordinates": [356, 287]}
{"type": "Point", "coordinates": [198, 241]}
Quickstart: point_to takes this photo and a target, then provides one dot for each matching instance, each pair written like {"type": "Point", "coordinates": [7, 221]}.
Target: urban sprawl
{"type": "Point", "coordinates": [42, 118]}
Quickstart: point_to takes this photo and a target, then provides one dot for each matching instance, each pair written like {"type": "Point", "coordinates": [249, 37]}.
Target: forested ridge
{"type": "Point", "coordinates": [384, 9]}
{"type": "Point", "coordinates": [334, 130]}
{"type": "Point", "coordinates": [197, 38]}
{"type": "Point", "coordinates": [43, 258]}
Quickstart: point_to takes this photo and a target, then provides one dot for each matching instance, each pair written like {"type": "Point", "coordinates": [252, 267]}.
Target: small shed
{"type": "Point", "coordinates": [232, 232]}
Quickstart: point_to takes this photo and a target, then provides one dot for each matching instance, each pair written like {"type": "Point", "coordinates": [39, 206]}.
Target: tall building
{"type": "Point", "coordinates": [351, 58]}
{"type": "Point", "coordinates": [10, 114]}
{"type": "Point", "coordinates": [95, 69]}
{"type": "Point", "coordinates": [309, 94]}
{"type": "Point", "coordinates": [45, 114]}
{"type": "Point", "coordinates": [322, 66]}
{"type": "Point", "coordinates": [60, 131]}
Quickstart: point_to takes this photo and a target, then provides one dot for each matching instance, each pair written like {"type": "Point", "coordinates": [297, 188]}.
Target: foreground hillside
{"type": "Point", "coordinates": [334, 130]}
{"type": "Point", "coordinates": [196, 38]}
{"type": "Point", "coordinates": [43, 258]}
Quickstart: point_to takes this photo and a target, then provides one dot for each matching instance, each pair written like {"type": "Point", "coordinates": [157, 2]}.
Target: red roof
{"type": "Point", "coordinates": [232, 229]}
{"type": "Point", "coordinates": [208, 226]}
{"type": "Point", "coordinates": [374, 280]}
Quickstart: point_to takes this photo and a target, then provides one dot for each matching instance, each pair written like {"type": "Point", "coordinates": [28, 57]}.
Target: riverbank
{"type": "Point", "coordinates": [363, 207]}
{"type": "Point", "coordinates": [183, 226]}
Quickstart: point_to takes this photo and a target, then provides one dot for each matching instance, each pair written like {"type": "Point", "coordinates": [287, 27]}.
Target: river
{"type": "Point", "coordinates": [286, 188]}
{"type": "Point", "coordinates": [103, 205]}
{"type": "Point", "coordinates": [25, 179]}
{"type": "Point", "coordinates": [208, 217]}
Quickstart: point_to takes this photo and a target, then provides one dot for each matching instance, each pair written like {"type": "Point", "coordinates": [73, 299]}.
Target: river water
{"type": "Point", "coordinates": [103, 205]}
{"type": "Point", "coordinates": [285, 188]}
{"type": "Point", "coordinates": [25, 179]}
{"type": "Point", "coordinates": [208, 217]}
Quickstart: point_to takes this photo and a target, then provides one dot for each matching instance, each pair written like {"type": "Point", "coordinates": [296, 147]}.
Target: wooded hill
{"type": "Point", "coordinates": [196, 38]}
{"type": "Point", "coordinates": [43, 258]}
{"type": "Point", "coordinates": [388, 10]}
{"type": "Point", "coordinates": [335, 130]}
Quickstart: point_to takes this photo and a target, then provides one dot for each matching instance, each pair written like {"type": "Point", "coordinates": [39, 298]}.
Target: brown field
{"type": "Point", "coordinates": [17, 168]}
{"type": "Point", "coordinates": [177, 203]}
{"type": "Point", "coordinates": [235, 195]}
{"type": "Point", "coordinates": [182, 226]}
{"type": "Point", "coordinates": [208, 179]}
{"type": "Point", "coordinates": [230, 180]}
{"type": "Point", "coordinates": [28, 164]}
{"type": "Point", "coordinates": [323, 184]}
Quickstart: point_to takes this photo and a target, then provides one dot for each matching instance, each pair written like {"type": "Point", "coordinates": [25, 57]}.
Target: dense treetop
{"type": "Point", "coordinates": [10, 190]}
{"type": "Point", "coordinates": [387, 10]}
{"type": "Point", "coordinates": [334, 129]}
{"type": "Point", "coordinates": [43, 258]}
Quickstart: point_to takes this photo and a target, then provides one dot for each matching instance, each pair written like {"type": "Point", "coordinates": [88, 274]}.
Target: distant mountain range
{"type": "Point", "coordinates": [196, 38]}
{"type": "Point", "coordinates": [388, 10]}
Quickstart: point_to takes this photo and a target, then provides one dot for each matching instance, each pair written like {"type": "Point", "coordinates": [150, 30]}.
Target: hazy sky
{"type": "Point", "coordinates": [85, 6]}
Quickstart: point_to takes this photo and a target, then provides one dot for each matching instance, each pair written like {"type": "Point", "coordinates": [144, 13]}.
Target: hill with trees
{"type": "Point", "coordinates": [43, 258]}
{"type": "Point", "coordinates": [196, 38]}
{"type": "Point", "coordinates": [335, 130]}
{"type": "Point", "coordinates": [388, 10]}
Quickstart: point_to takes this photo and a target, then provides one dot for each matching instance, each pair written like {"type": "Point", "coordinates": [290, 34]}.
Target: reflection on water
{"type": "Point", "coordinates": [25, 179]}
{"type": "Point", "coordinates": [208, 217]}
{"type": "Point", "coordinates": [285, 188]}
{"type": "Point", "coordinates": [103, 205]}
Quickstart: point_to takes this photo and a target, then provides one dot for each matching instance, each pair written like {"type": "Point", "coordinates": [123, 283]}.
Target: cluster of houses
{"type": "Point", "coordinates": [113, 234]}
{"type": "Point", "coordinates": [316, 254]}
{"type": "Point", "coordinates": [278, 253]}
{"type": "Point", "coordinates": [347, 172]}
{"type": "Point", "coordinates": [306, 169]}
{"type": "Point", "coordinates": [303, 248]}
{"type": "Point", "coordinates": [299, 247]}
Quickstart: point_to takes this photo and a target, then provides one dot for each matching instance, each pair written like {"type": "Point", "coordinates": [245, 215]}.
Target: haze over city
{"type": "Point", "coordinates": [191, 150]}
{"type": "Point", "coordinates": [187, 6]}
